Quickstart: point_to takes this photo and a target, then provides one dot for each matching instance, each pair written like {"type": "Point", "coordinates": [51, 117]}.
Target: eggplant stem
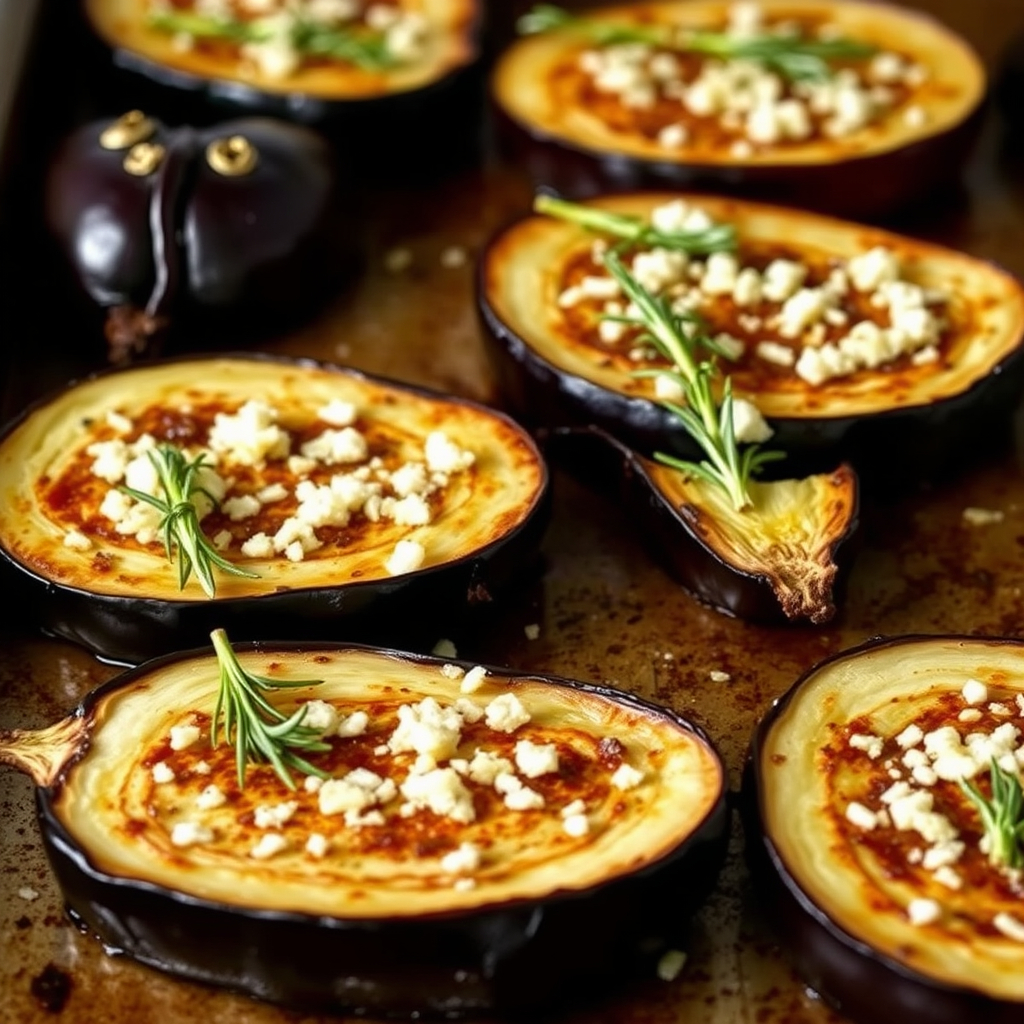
{"type": "Point", "coordinates": [42, 754]}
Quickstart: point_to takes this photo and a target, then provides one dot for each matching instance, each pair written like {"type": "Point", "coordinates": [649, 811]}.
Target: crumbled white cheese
{"type": "Point", "coordinates": [869, 744]}
{"type": "Point", "coordinates": [427, 728]}
{"type": "Point", "coordinates": [274, 815]}
{"type": "Point", "coordinates": [465, 859]}
{"type": "Point", "coordinates": [974, 692]}
{"type": "Point", "coordinates": [320, 715]}
{"type": "Point", "coordinates": [749, 426]}
{"type": "Point", "coordinates": [189, 833]}
{"type": "Point", "coordinates": [354, 724]}
{"type": "Point", "coordinates": [861, 816]}
{"type": "Point", "coordinates": [250, 436]}
{"type": "Point", "coordinates": [923, 911]}
{"type": "Point", "coordinates": [536, 759]}
{"type": "Point", "coordinates": [269, 845]}
{"type": "Point", "coordinates": [407, 556]}
{"type": "Point", "coordinates": [183, 736]}
{"type": "Point", "coordinates": [317, 845]}
{"type": "Point", "coordinates": [506, 713]}
{"type": "Point", "coordinates": [1010, 926]}
{"type": "Point", "coordinates": [162, 773]}
{"type": "Point", "coordinates": [77, 541]}
{"type": "Point", "coordinates": [440, 791]}
{"type": "Point", "coordinates": [473, 679]}
{"type": "Point", "coordinates": [627, 777]}
{"type": "Point", "coordinates": [210, 798]}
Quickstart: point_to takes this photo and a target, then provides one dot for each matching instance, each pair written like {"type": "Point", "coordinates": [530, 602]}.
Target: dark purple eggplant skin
{"type": "Point", "coordinates": [874, 187]}
{"type": "Point", "coordinates": [410, 608]}
{"type": "Point", "coordinates": [892, 449]}
{"type": "Point", "coordinates": [186, 243]}
{"type": "Point", "coordinates": [507, 958]}
{"type": "Point", "coordinates": [857, 982]}
{"type": "Point", "coordinates": [609, 466]}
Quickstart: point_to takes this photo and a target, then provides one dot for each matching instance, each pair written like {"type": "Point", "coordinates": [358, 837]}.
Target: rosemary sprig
{"type": "Point", "coordinates": [363, 48]}
{"type": "Point", "coordinates": [636, 230]}
{"type": "Point", "coordinates": [545, 17]}
{"type": "Point", "coordinates": [179, 525]}
{"type": "Point", "coordinates": [1002, 816]}
{"type": "Point", "coordinates": [261, 732]}
{"type": "Point", "coordinates": [792, 56]}
{"type": "Point", "coordinates": [709, 423]}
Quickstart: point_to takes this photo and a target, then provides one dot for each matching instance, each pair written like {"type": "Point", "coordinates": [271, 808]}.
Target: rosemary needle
{"type": "Point", "coordinates": [182, 535]}
{"type": "Point", "coordinates": [261, 732]}
{"type": "Point", "coordinates": [365, 49]}
{"type": "Point", "coordinates": [716, 238]}
{"type": "Point", "coordinates": [791, 55]}
{"type": "Point", "coordinates": [1002, 816]}
{"type": "Point", "coordinates": [708, 422]}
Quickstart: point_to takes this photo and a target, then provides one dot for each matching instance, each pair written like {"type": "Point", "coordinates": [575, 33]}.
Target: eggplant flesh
{"type": "Point", "coordinates": [118, 593]}
{"type": "Point", "coordinates": [783, 559]}
{"type": "Point", "coordinates": [578, 137]}
{"type": "Point", "coordinates": [847, 888]}
{"type": "Point", "coordinates": [383, 920]}
{"type": "Point", "coordinates": [556, 370]}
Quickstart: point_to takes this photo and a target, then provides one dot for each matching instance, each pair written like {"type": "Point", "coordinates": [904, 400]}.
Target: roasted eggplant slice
{"type": "Point", "coordinates": [483, 842]}
{"type": "Point", "coordinates": [349, 503]}
{"type": "Point", "coordinates": [871, 785]}
{"type": "Point", "coordinates": [712, 95]}
{"type": "Point", "coordinates": [348, 67]}
{"type": "Point", "coordinates": [784, 559]}
{"type": "Point", "coordinates": [853, 342]}
{"type": "Point", "coordinates": [230, 229]}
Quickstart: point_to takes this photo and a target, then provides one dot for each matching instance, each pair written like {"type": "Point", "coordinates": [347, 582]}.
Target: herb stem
{"type": "Point", "coordinates": [261, 732]}
{"type": "Point", "coordinates": [709, 423]}
{"type": "Point", "coordinates": [179, 524]}
{"type": "Point", "coordinates": [633, 229]}
{"type": "Point", "coordinates": [1002, 816]}
{"type": "Point", "coordinates": [792, 56]}
{"type": "Point", "coordinates": [365, 49]}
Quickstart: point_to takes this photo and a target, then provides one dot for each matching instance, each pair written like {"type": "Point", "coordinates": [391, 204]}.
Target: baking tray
{"type": "Point", "coordinates": [606, 611]}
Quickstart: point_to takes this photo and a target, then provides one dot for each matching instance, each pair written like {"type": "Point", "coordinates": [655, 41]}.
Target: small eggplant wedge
{"type": "Point", "coordinates": [316, 502]}
{"type": "Point", "coordinates": [472, 842]}
{"type": "Point", "coordinates": [850, 108]}
{"type": "Point", "coordinates": [180, 231]}
{"type": "Point", "coordinates": [883, 809]}
{"type": "Point", "coordinates": [785, 559]}
{"type": "Point", "coordinates": [856, 344]}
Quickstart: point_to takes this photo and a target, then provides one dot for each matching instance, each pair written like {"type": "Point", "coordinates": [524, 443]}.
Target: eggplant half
{"type": "Point", "coordinates": [412, 882]}
{"type": "Point", "coordinates": [542, 311]}
{"type": "Point", "coordinates": [349, 67]}
{"type": "Point", "coordinates": [221, 231]}
{"type": "Point", "coordinates": [896, 900]}
{"type": "Point", "coordinates": [356, 506]}
{"type": "Point", "coordinates": [621, 114]}
{"type": "Point", "coordinates": [785, 559]}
